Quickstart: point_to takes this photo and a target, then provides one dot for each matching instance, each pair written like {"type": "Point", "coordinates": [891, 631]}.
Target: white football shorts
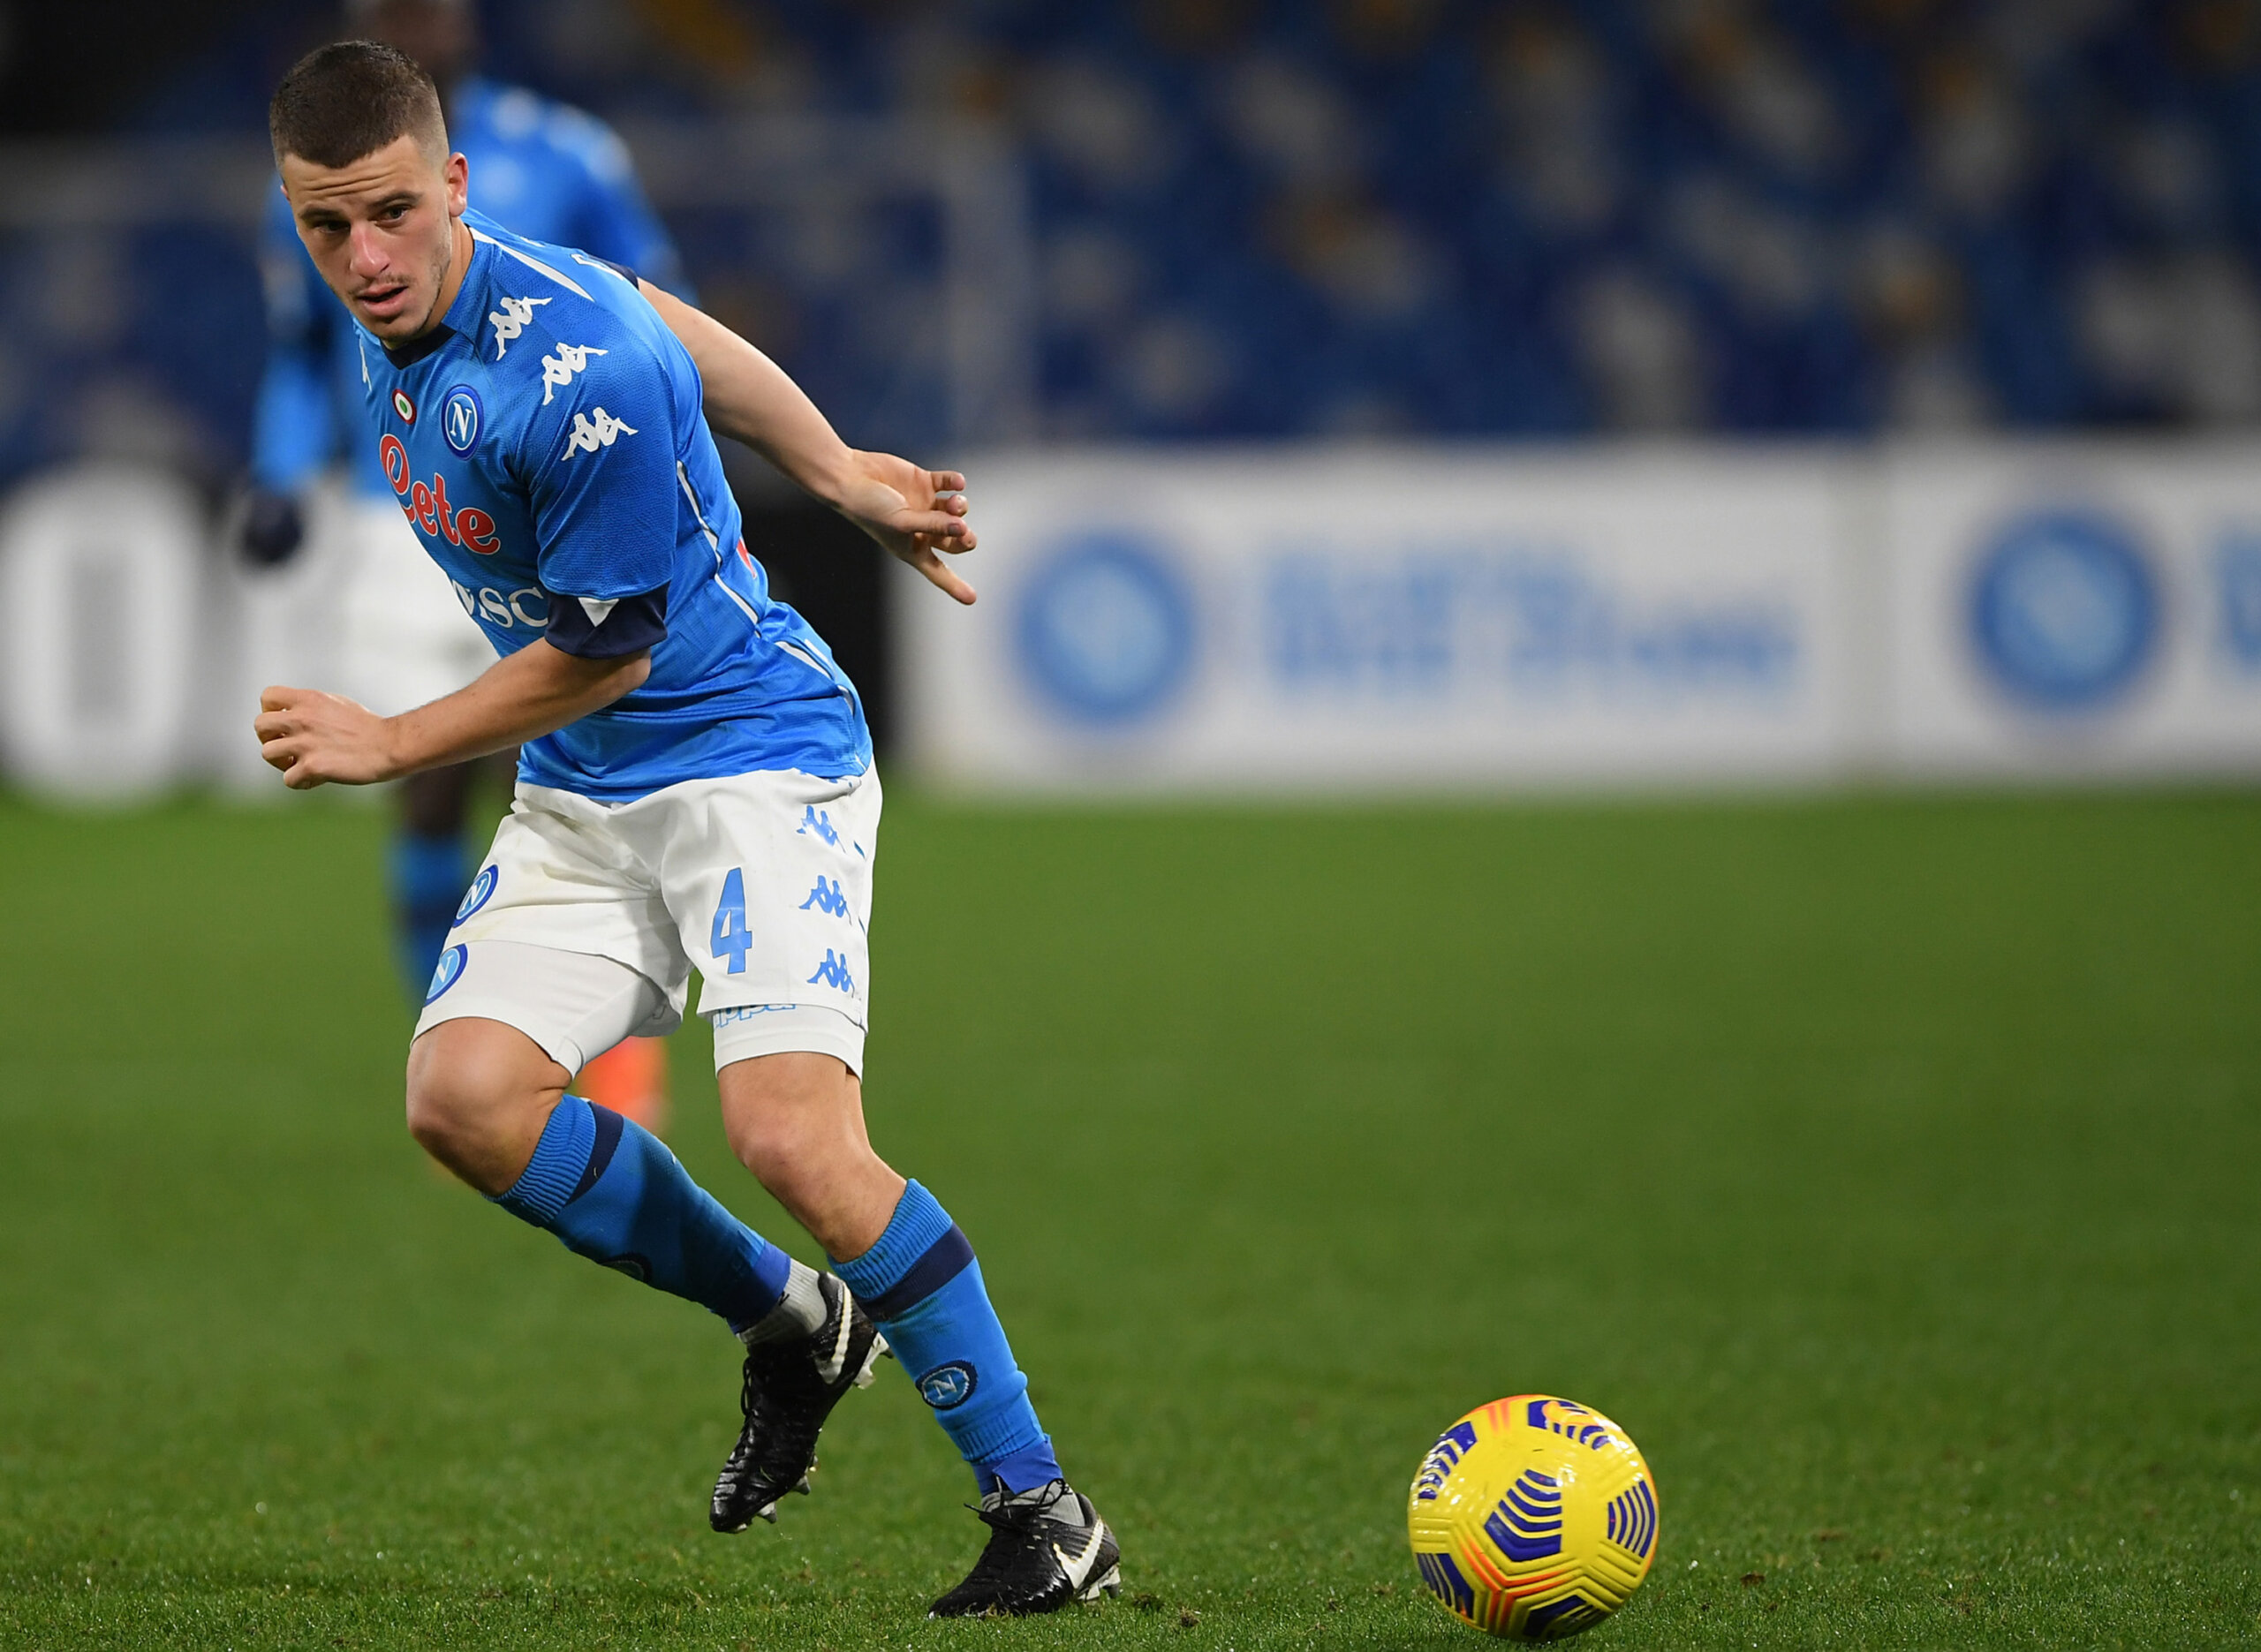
{"type": "Point", "coordinates": [404, 636]}
{"type": "Point", "coordinates": [587, 919]}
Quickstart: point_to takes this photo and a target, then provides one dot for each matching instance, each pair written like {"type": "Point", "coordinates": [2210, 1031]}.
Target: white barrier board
{"type": "Point", "coordinates": [1371, 620]}
{"type": "Point", "coordinates": [2075, 609]}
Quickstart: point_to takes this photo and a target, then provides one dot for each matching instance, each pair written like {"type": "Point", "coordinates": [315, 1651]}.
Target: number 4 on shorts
{"type": "Point", "coordinates": [731, 937]}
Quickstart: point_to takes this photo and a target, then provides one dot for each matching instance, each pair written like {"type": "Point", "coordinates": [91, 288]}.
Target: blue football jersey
{"type": "Point", "coordinates": [544, 168]}
{"type": "Point", "coordinates": [547, 443]}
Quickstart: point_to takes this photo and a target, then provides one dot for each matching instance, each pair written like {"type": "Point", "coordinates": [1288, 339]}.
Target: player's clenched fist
{"type": "Point", "coordinates": [315, 737]}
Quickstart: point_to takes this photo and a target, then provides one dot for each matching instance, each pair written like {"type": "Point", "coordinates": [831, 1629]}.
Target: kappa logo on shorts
{"type": "Point", "coordinates": [448, 971]}
{"type": "Point", "coordinates": [482, 888]}
{"type": "Point", "coordinates": [826, 897]}
{"type": "Point", "coordinates": [816, 822]}
{"type": "Point", "coordinates": [948, 1386]}
{"type": "Point", "coordinates": [833, 972]}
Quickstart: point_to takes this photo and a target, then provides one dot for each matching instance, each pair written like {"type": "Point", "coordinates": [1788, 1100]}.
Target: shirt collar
{"type": "Point", "coordinates": [462, 319]}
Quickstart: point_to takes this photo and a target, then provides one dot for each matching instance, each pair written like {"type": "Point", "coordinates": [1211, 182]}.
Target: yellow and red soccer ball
{"type": "Point", "coordinates": [1533, 1518]}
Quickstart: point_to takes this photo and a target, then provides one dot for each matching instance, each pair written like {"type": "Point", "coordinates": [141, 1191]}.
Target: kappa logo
{"type": "Point", "coordinates": [826, 897]}
{"type": "Point", "coordinates": [511, 320]}
{"type": "Point", "coordinates": [588, 434]}
{"type": "Point", "coordinates": [818, 823]}
{"type": "Point", "coordinates": [833, 972]}
{"type": "Point", "coordinates": [948, 1386]}
{"type": "Point", "coordinates": [560, 368]}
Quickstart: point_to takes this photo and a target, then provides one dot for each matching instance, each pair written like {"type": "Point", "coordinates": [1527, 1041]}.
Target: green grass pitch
{"type": "Point", "coordinates": [1891, 1168]}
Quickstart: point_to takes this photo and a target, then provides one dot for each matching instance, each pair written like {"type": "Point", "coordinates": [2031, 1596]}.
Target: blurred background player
{"type": "Point", "coordinates": [552, 173]}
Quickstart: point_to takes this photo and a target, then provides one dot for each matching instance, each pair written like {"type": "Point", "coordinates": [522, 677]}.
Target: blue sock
{"type": "Point", "coordinates": [427, 879]}
{"type": "Point", "coordinates": [610, 1191]}
{"type": "Point", "coordinates": [922, 1284]}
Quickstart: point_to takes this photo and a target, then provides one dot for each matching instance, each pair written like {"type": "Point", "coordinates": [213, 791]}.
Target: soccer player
{"type": "Point", "coordinates": [550, 172]}
{"type": "Point", "coordinates": [695, 791]}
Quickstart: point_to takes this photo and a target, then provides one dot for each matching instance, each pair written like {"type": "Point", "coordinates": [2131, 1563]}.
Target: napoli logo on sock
{"type": "Point", "coordinates": [447, 972]}
{"type": "Point", "coordinates": [482, 890]}
{"type": "Point", "coordinates": [946, 1387]}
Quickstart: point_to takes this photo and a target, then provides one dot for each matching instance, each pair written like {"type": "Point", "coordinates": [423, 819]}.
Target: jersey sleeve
{"type": "Point", "coordinates": [598, 463]}
{"type": "Point", "coordinates": [294, 426]}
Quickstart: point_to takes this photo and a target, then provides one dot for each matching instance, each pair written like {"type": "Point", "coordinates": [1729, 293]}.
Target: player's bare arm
{"type": "Point", "coordinates": [914, 513]}
{"type": "Point", "coordinates": [316, 739]}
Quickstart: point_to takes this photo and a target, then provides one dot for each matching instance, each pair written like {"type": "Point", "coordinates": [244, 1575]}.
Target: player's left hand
{"type": "Point", "coordinates": [315, 737]}
{"type": "Point", "coordinates": [916, 514]}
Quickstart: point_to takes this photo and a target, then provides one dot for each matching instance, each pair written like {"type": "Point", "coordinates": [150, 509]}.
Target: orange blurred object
{"type": "Point", "coordinates": [631, 1079]}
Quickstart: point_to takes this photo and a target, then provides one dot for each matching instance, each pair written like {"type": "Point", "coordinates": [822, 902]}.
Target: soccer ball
{"type": "Point", "coordinates": [1533, 1518]}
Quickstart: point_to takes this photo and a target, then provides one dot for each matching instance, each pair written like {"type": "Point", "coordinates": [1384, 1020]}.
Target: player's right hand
{"type": "Point", "coordinates": [316, 739]}
{"type": "Point", "coordinates": [273, 530]}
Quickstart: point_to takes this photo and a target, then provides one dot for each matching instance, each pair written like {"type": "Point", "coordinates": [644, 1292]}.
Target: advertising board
{"type": "Point", "coordinates": [2075, 609]}
{"type": "Point", "coordinates": [1373, 619]}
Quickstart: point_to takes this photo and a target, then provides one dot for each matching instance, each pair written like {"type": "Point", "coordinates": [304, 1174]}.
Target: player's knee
{"type": "Point", "coordinates": [473, 1106]}
{"type": "Point", "coordinates": [788, 1151]}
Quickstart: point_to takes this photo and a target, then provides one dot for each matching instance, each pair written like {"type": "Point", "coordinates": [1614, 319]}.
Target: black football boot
{"type": "Point", "coordinates": [1046, 1547]}
{"type": "Point", "coordinates": [790, 1388]}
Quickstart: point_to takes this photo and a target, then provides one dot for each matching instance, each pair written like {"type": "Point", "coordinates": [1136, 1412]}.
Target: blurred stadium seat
{"type": "Point", "coordinates": [1370, 216]}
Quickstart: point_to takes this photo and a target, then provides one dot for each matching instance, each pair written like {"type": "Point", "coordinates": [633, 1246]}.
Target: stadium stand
{"type": "Point", "coordinates": [1364, 217]}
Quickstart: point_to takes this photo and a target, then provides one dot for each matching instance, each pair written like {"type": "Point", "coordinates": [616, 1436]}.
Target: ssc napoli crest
{"type": "Point", "coordinates": [482, 890]}
{"type": "Point", "coordinates": [948, 1386]}
{"type": "Point", "coordinates": [2064, 610]}
{"type": "Point", "coordinates": [460, 418]}
{"type": "Point", "coordinates": [448, 971]}
{"type": "Point", "coordinates": [1106, 629]}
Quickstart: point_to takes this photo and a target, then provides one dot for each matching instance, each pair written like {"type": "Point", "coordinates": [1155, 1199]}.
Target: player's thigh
{"type": "Point", "coordinates": [563, 934]}
{"type": "Point", "coordinates": [769, 879]}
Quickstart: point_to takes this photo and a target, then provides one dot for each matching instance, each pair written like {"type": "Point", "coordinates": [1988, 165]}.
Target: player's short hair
{"type": "Point", "coordinates": [343, 100]}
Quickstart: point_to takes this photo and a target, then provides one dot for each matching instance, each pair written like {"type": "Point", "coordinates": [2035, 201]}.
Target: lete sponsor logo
{"type": "Point", "coordinates": [426, 504]}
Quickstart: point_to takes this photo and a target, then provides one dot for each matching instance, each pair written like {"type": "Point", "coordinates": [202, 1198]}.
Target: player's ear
{"type": "Point", "coordinates": [457, 174]}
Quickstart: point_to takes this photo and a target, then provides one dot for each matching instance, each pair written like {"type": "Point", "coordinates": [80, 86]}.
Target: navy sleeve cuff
{"type": "Point", "coordinates": [593, 628]}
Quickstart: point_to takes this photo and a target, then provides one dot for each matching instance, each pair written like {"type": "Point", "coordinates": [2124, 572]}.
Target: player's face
{"type": "Point", "coordinates": [383, 230]}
